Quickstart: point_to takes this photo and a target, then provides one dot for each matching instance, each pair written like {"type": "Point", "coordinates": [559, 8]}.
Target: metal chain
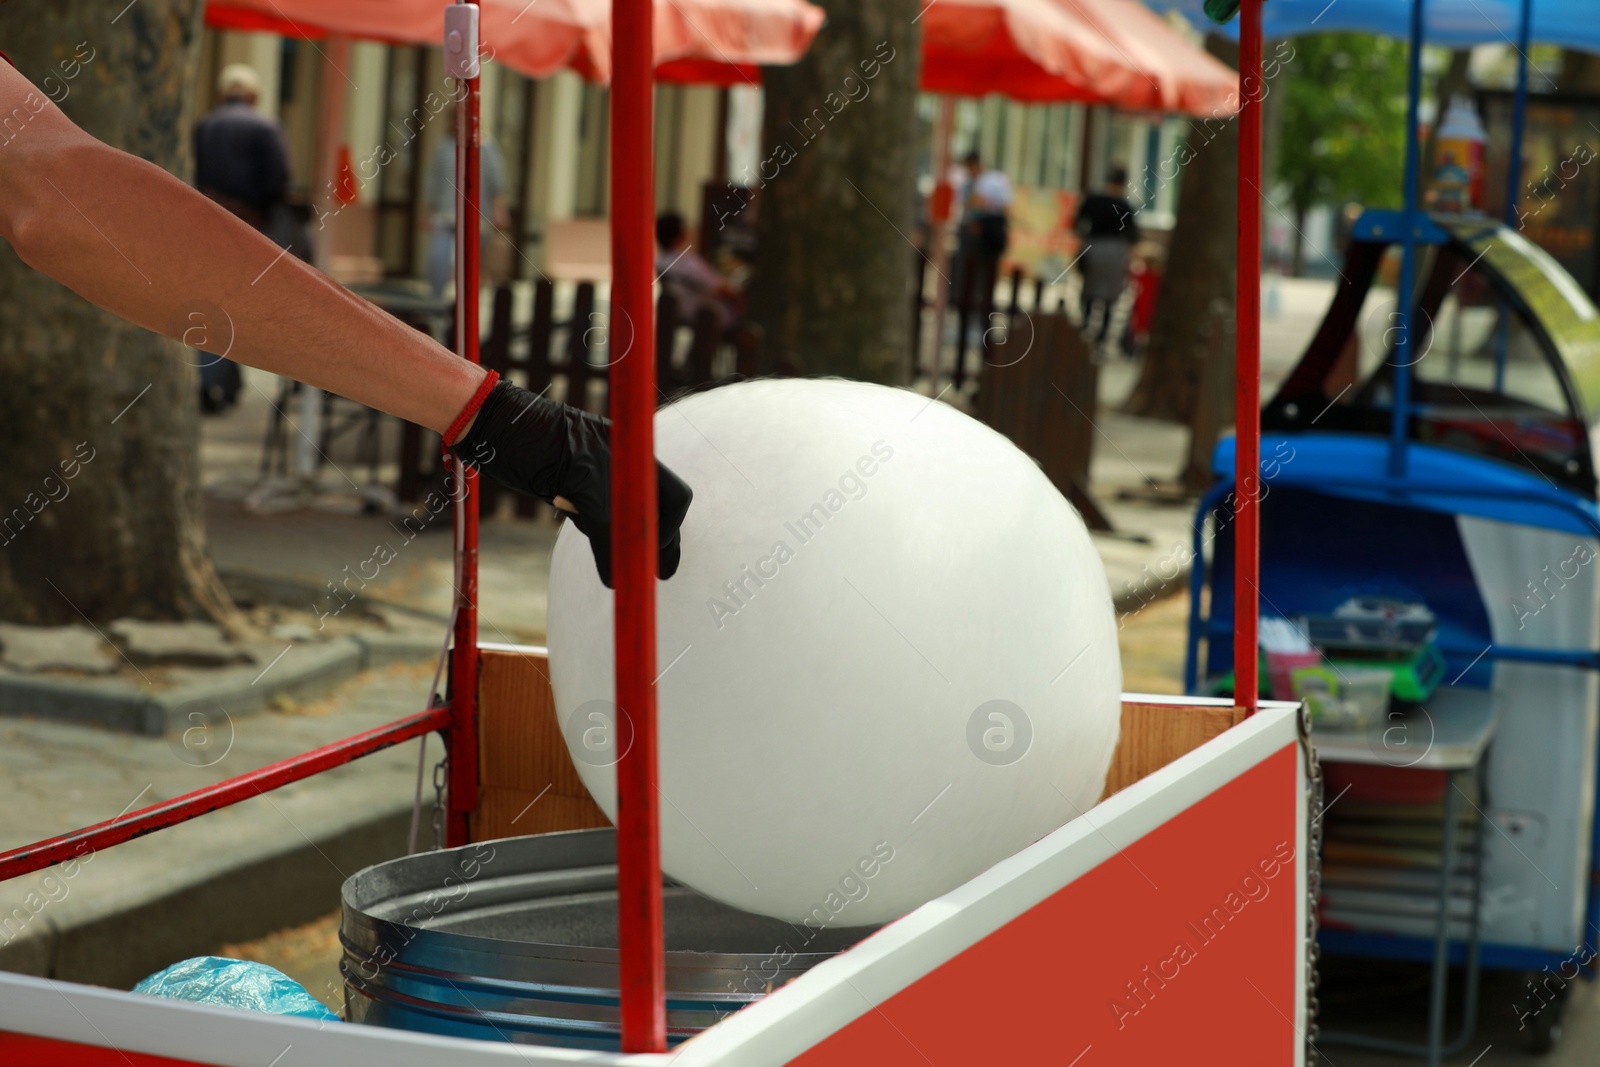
{"type": "Point", "coordinates": [1314, 802]}
{"type": "Point", "coordinates": [439, 771]}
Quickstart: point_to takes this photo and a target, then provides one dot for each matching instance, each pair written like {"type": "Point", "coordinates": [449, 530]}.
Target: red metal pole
{"type": "Point", "coordinates": [633, 517]}
{"type": "Point", "coordinates": [85, 842]}
{"type": "Point", "coordinates": [462, 737]}
{"type": "Point", "coordinates": [1247, 399]}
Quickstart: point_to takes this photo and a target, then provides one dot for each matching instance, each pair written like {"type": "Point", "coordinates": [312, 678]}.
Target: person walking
{"type": "Point", "coordinates": [986, 219]}
{"type": "Point", "coordinates": [241, 162]}
{"type": "Point", "coordinates": [961, 176]}
{"type": "Point", "coordinates": [440, 193]}
{"type": "Point", "coordinates": [1105, 221]}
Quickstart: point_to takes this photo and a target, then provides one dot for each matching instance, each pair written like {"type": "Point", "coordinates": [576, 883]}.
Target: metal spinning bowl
{"type": "Point", "coordinates": [516, 940]}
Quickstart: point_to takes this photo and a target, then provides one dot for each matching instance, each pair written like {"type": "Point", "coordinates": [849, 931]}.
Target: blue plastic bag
{"type": "Point", "coordinates": [235, 984]}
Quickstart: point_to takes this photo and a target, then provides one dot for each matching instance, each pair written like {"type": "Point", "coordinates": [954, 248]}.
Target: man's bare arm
{"type": "Point", "coordinates": [133, 239]}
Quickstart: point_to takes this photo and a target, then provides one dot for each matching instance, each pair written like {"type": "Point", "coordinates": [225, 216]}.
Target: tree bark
{"type": "Point", "coordinates": [1580, 72]}
{"type": "Point", "coordinates": [1298, 263]}
{"type": "Point", "coordinates": [1198, 285]}
{"type": "Point", "coordinates": [832, 284]}
{"type": "Point", "coordinates": [100, 507]}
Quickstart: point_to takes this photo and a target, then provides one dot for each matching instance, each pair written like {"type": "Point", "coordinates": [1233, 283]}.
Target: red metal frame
{"type": "Point", "coordinates": [461, 741]}
{"type": "Point", "coordinates": [90, 839]}
{"type": "Point", "coordinates": [457, 720]}
{"type": "Point", "coordinates": [633, 504]}
{"type": "Point", "coordinates": [1247, 371]}
{"type": "Point", "coordinates": [633, 518]}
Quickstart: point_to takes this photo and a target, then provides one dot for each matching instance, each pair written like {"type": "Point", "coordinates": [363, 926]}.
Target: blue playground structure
{"type": "Point", "coordinates": [1490, 522]}
{"type": "Point", "coordinates": [1432, 453]}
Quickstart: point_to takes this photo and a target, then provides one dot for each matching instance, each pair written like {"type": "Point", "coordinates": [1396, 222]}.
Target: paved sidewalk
{"type": "Point", "coordinates": [241, 872]}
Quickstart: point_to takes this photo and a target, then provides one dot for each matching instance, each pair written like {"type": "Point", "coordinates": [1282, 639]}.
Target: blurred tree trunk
{"type": "Point", "coordinates": [831, 289]}
{"type": "Point", "coordinates": [100, 508]}
{"type": "Point", "coordinates": [1198, 287]}
{"type": "Point", "coordinates": [1297, 262]}
{"type": "Point", "coordinates": [1580, 73]}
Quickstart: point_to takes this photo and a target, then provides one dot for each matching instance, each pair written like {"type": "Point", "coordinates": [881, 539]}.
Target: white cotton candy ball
{"type": "Point", "coordinates": [887, 661]}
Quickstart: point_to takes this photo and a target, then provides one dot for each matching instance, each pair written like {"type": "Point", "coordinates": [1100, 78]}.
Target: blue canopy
{"type": "Point", "coordinates": [1437, 479]}
{"type": "Point", "coordinates": [1457, 23]}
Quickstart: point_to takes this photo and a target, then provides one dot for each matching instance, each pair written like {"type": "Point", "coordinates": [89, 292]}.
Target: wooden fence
{"type": "Point", "coordinates": [569, 360]}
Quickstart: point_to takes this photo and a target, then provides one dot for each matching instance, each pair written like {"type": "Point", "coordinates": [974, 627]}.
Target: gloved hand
{"type": "Point", "coordinates": [534, 445]}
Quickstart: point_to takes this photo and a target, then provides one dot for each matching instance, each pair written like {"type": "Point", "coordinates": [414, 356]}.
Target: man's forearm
{"type": "Point", "coordinates": [144, 246]}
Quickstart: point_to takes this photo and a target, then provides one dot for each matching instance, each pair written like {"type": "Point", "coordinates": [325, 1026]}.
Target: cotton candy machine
{"type": "Point", "coordinates": [516, 940]}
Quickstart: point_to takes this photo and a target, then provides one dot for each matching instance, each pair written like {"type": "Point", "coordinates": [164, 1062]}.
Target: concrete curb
{"type": "Point", "coordinates": [379, 649]}
{"type": "Point", "coordinates": [147, 927]}
{"type": "Point", "coordinates": [303, 671]}
{"type": "Point", "coordinates": [107, 702]}
{"type": "Point", "coordinates": [239, 872]}
{"type": "Point", "coordinates": [1135, 598]}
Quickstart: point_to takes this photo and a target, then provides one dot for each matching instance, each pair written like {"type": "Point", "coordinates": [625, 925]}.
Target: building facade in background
{"type": "Point", "coordinates": [362, 119]}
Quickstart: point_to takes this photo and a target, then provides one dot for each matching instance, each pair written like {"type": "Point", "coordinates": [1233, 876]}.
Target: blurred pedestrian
{"type": "Point", "coordinates": [240, 161]}
{"type": "Point", "coordinates": [985, 218]}
{"type": "Point", "coordinates": [239, 156]}
{"type": "Point", "coordinates": [1105, 222]}
{"type": "Point", "coordinates": [961, 177]}
{"type": "Point", "coordinates": [693, 282]}
{"type": "Point", "coordinates": [440, 192]}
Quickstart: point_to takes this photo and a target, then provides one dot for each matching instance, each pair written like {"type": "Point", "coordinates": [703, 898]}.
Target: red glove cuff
{"type": "Point", "coordinates": [454, 432]}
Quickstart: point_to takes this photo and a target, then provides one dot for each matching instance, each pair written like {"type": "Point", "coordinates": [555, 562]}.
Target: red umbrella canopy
{"type": "Point", "coordinates": [1172, 73]}
{"type": "Point", "coordinates": [1033, 50]}
{"type": "Point", "coordinates": [719, 41]}
{"type": "Point", "coordinates": [695, 40]}
{"type": "Point", "coordinates": [1098, 51]}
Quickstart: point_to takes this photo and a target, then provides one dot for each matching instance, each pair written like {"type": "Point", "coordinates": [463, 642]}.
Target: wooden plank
{"type": "Point", "coordinates": [522, 758]}
{"type": "Point", "coordinates": [539, 368]}
{"type": "Point", "coordinates": [579, 329]}
{"type": "Point", "coordinates": [666, 340]}
{"type": "Point", "coordinates": [703, 348]}
{"type": "Point", "coordinates": [1153, 735]}
{"type": "Point", "coordinates": [495, 353]}
{"type": "Point", "coordinates": [537, 365]}
{"type": "Point", "coordinates": [530, 785]}
{"type": "Point", "coordinates": [515, 812]}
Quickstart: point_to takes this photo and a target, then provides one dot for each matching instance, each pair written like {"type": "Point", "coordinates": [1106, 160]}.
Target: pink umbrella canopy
{"type": "Point", "coordinates": [1172, 74]}
{"type": "Point", "coordinates": [717, 41]}
{"type": "Point", "coordinates": [1097, 51]}
{"type": "Point", "coordinates": [1033, 50]}
{"type": "Point", "coordinates": [695, 40]}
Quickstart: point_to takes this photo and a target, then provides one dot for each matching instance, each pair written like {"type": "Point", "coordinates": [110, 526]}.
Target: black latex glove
{"type": "Point", "coordinates": [533, 445]}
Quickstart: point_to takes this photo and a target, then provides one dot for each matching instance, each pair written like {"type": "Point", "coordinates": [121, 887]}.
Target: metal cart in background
{"type": "Point", "coordinates": [1491, 521]}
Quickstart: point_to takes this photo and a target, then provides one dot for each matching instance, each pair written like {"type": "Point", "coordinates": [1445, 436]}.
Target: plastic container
{"type": "Point", "coordinates": [1457, 184]}
{"type": "Point", "coordinates": [1342, 700]}
{"type": "Point", "coordinates": [1281, 667]}
{"type": "Point", "coordinates": [230, 983]}
{"type": "Point", "coordinates": [1368, 690]}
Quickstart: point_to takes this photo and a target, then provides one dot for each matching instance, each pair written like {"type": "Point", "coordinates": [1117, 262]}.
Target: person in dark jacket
{"type": "Point", "coordinates": [239, 156]}
{"type": "Point", "coordinates": [240, 162]}
{"type": "Point", "coordinates": [1105, 222]}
